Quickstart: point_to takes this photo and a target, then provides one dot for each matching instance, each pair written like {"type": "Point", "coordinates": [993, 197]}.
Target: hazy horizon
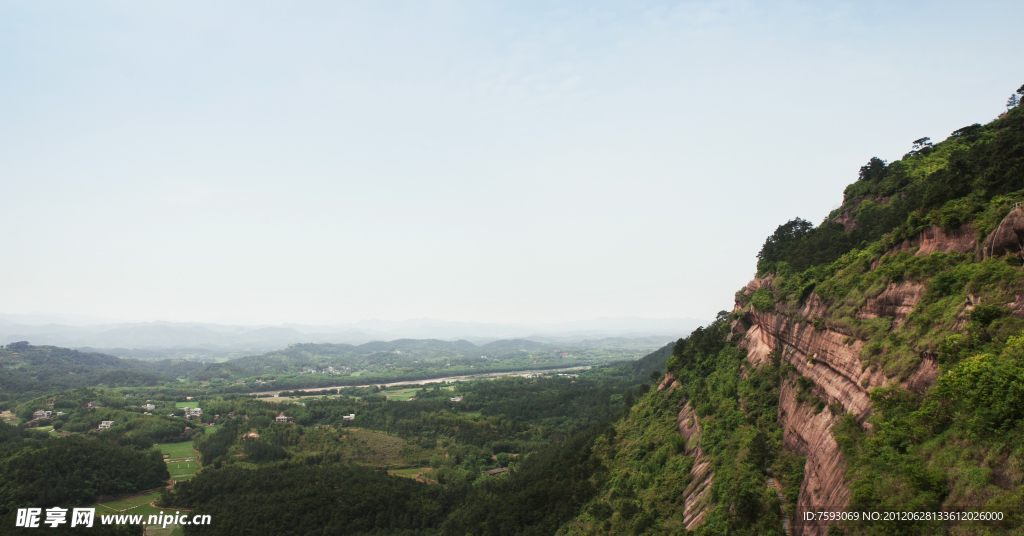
{"type": "Point", "coordinates": [174, 339]}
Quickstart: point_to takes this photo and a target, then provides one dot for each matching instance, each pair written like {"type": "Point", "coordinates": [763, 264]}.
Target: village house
{"type": "Point", "coordinates": [349, 417]}
{"type": "Point", "coordinates": [41, 414]}
{"type": "Point", "coordinates": [283, 418]}
{"type": "Point", "coordinates": [92, 405]}
{"type": "Point", "coordinates": [493, 472]}
{"type": "Point", "coordinates": [149, 407]}
{"type": "Point", "coordinates": [457, 399]}
{"type": "Point", "coordinates": [106, 424]}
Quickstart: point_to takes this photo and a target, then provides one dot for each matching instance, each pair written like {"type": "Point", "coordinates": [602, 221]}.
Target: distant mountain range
{"type": "Point", "coordinates": [155, 340]}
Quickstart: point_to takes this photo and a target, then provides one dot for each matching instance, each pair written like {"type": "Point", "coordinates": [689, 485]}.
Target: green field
{"type": "Point", "coordinates": [401, 395]}
{"type": "Point", "coordinates": [209, 429]}
{"type": "Point", "coordinates": [182, 470]}
{"type": "Point", "coordinates": [191, 404]}
{"type": "Point", "coordinates": [138, 506]}
{"type": "Point", "coordinates": [132, 503]}
{"type": "Point", "coordinates": [411, 472]}
{"type": "Point", "coordinates": [177, 450]}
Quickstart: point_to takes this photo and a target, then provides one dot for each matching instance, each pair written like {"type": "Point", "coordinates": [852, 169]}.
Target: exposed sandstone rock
{"type": "Point", "coordinates": [935, 239]}
{"type": "Point", "coordinates": [667, 381]}
{"type": "Point", "coordinates": [831, 360]}
{"type": "Point", "coordinates": [810, 435]}
{"type": "Point", "coordinates": [698, 497]}
{"type": "Point", "coordinates": [895, 301]}
{"type": "Point", "coordinates": [923, 376]}
{"type": "Point", "coordinates": [1008, 236]}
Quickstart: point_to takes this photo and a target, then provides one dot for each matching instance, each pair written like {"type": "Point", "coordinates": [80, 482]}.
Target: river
{"type": "Point", "coordinates": [447, 379]}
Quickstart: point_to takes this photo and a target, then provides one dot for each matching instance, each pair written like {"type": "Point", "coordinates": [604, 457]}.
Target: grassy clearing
{"type": "Point", "coordinates": [401, 395]}
{"type": "Point", "coordinates": [131, 503]}
{"type": "Point", "coordinates": [411, 472]}
{"type": "Point", "coordinates": [140, 505]}
{"type": "Point", "coordinates": [191, 404]}
{"type": "Point", "coordinates": [371, 447]}
{"type": "Point", "coordinates": [182, 469]}
{"type": "Point", "coordinates": [177, 450]}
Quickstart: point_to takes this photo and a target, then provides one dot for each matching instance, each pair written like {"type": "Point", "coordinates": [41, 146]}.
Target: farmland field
{"type": "Point", "coordinates": [182, 470]}
{"type": "Point", "coordinates": [411, 472]}
{"type": "Point", "coordinates": [139, 505]}
{"type": "Point", "coordinates": [401, 395]}
{"type": "Point", "coordinates": [177, 450]}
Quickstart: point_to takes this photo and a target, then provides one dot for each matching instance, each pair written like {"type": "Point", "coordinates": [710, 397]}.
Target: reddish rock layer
{"type": "Point", "coordinates": [831, 360]}
{"type": "Point", "coordinates": [810, 435]}
{"type": "Point", "coordinates": [896, 301]}
{"type": "Point", "coordinates": [1007, 238]}
{"type": "Point", "coordinates": [698, 496]}
{"type": "Point", "coordinates": [935, 239]}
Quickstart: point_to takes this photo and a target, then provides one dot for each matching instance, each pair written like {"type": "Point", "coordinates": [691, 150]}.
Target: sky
{"type": "Point", "coordinates": [329, 162]}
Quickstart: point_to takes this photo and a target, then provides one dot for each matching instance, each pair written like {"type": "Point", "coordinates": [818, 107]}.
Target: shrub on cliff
{"type": "Point", "coordinates": [986, 391]}
{"type": "Point", "coordinates": [763, 300]}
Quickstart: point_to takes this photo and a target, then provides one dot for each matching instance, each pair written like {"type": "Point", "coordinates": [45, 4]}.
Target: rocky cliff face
{"type": "Point", "coordinates": [932, 239]}
{"type": "Point", "coordinates": [830, 359]}
{"type": "Point", "coordinates": [698, 496]}
{"type": "Point", "coordinates": [1007, 238]}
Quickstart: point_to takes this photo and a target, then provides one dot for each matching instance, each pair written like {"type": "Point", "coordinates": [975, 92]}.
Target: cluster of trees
{"type": "Point", "coordinates": [28, 371]}
{"type": "Point", "coordinates": [946, 184]}
{"type": "Point", "coordinates": [75, 470]}
{"type": "Point", "coordinates": [546, 489]}
{"type": "Point", "coordinates": [325, 499]}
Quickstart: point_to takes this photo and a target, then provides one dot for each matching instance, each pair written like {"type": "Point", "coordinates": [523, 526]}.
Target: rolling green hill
{"type": "Point", "coordinates": [27, 371]}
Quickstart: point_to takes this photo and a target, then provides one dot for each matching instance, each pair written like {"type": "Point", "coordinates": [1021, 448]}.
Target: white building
{"type": "Point", "coordinates": [457, 399]}
{"type": "Point", "coordinates": [41, 414]}
{"type": "Point", "coordinates": [106, 424]}
{"type": "Point", "coordinates": [149, 407]}
{"type": "Point", "coordinates": [349, 417]}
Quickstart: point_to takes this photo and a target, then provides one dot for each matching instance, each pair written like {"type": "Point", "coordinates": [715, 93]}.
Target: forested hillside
{"type": "Point", "coordinates": [874, 364]}
{"type": "Point", "coordinates": [27, 370]}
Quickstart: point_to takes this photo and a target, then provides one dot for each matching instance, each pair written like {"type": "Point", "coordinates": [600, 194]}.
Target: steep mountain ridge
{"type": "Point", "coordinates": [874, 363]}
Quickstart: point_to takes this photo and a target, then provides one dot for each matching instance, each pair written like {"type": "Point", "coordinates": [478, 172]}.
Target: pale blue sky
{"type": "Point", "coordinates": [531, 162]}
